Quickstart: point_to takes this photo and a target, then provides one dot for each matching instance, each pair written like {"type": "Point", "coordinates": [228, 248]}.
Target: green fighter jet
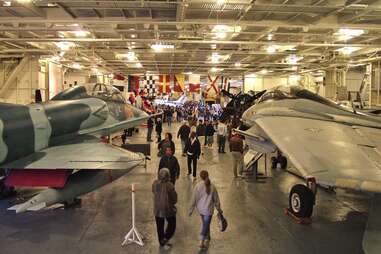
{"type": "Point", "coordinates": [57, 144]}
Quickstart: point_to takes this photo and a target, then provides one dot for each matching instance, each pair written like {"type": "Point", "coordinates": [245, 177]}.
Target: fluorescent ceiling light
{"type": "Point", "coordinates": [81, 33]}
{"type": "Point", "coordinates": [221, 31]}
{"type": "Point", "coordinates": [188, 73]}
{"type": "Point", "coordinates": [76, 66]}
{"type": "Point", "coordinates": [347, 34]}
{"type": "Point", "coordinates": [294, 59]}
{"type": "Point", "coordinates": [237, 64]}
{"type": "Point", "coordinates": [133, 35]}
{"type": "Point", "coordinates": [7, 3]}
{"type": "Point", "coordinates": [217, 58]}
{"type": "Point", "coordinates": [130, 56]}
{"type": "Point", "coordinates": [160, 47]}
{"type": "Point", "coordinates": [138, 65]}
{"type": "Point", "coordinates": [251, 75]}
{"type": "Point", "coordinates": [270, 37]}
{"type": "Point", "coordinates": [214, 69]}
{"type": "Point", "coordinates": [271, 49]}
{"type": "Point", "coordinates": [220, 2]}
{"type": "Point", "coordinates": [64, 45]}
{"type": "Point", "coordinates": [213, 46]}
{"type": "Point", "coordinates": [264, 71]}
{"type": "Point", "coordinates": [348, 50]}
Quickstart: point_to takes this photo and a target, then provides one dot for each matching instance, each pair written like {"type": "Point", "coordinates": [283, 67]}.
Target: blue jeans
{"type": "Point", "coordinates": [205, 231]}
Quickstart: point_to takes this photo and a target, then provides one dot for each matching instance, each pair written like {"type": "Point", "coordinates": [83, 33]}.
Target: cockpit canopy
{"type": "Point", "coordinates": [295, 92]}
{"type": "Point", "coordinates": [98, 90]}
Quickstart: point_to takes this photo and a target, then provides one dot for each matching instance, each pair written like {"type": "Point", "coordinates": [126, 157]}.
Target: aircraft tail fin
{"type": "Point", "coordinates": [182, 99]}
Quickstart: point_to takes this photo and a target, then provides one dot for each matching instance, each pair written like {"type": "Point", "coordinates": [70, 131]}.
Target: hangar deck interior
{"type": "Point", "coordinates": [254, 210]}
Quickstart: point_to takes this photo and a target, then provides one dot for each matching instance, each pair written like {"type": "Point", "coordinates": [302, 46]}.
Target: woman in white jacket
{"type": "Point", "coordinates": [205, 199]}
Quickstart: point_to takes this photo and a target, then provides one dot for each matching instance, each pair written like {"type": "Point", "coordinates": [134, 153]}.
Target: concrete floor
{"type": "Point", "coordinates": [254, 211]}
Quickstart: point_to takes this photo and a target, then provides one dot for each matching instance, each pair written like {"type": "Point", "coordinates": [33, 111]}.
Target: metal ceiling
{"type": "Point", "coordinates": [306, 30]}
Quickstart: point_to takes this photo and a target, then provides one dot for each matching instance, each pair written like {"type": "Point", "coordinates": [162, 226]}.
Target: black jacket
{"type": "Point", "coordinates": [194, 149]}
{"type": "Point", "coordinates": [159, 127]}
{"type": "Point", "coordinates": [200, 130]}
{"type": "Point", "coordinates": [149, 123]}
{"type": "Point", "coordinates": [184, 132]}
{"type": "Point", "coordinates": [166, 143]}
{"type": "Point", "coordinates": [209, 130]}
{"type": "Point", "coordinates": [171, 163]}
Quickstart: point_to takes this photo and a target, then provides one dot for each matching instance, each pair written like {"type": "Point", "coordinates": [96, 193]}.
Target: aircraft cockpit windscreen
{"type": "Point", "coordinates": [278, 93]}
{"type": "Point", "coordinates": [105, 92]}
{"type": "Point", "coordinates": [296, 92]}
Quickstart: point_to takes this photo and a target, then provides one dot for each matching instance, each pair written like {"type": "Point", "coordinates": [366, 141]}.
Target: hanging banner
{"type": "Point", "coordinates": [164, 84]}
{"type": "Point", "coordinates": [179, 83]}
{"type": "Point", "coordinates": [212, 91]}
{"type": "Point", "coordinates": [194, 83]}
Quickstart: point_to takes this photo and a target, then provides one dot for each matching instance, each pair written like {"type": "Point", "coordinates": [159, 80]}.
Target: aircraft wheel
{"type": "Point", "coordinates": [301, 201]}
{"type": "Point", "coordinates": [274, 162]}
{"type": "Point", "coordinates": [283, 162]}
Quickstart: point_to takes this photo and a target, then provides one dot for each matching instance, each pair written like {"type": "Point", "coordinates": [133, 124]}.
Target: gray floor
{"type": "Point", "coordinates": [254, 210]}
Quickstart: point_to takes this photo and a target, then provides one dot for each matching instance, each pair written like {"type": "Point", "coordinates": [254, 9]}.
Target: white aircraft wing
{"type": "Point", "coordinates": [85, 153]}
{"type": "Point", "coordinates": [335, 154]}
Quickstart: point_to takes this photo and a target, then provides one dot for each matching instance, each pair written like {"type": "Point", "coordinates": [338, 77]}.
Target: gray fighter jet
{"type": "Point", "coordinates": [57, 144]}
{"type": "Point", "coordinates": [327, 144]}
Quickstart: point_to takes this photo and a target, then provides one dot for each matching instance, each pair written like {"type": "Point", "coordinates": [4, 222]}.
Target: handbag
{"type": "Point", "coordinates": [222, 222]}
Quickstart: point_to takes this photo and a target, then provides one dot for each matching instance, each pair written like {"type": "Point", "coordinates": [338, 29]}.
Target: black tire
{"type": "Point", "coordinates": [274, 162]}
{"type": "Point", "coordinates": [301, 201]}
{"type": "Point", "coordinates": [283, 162]}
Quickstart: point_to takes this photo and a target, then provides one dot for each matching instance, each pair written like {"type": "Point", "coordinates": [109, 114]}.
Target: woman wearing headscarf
{"type": "Point", "coordinates": [205, 198]}
{"type": "Point", "coordinates": [165, 199]}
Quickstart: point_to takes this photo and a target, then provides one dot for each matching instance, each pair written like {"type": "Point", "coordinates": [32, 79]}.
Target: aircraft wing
{"type": "Point", "coordinates": [335, 154]}
{"type": "Point", "coordinates": [85, 153]}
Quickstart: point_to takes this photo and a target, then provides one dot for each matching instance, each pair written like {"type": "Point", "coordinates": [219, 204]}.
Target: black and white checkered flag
{"type": "Point", "coordinates": [149, 86]}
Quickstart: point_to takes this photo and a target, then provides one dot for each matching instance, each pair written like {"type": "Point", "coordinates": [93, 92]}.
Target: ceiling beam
{"type": "Point", "coordinates": [226, 42]}
{"type": "Point", "coordinates": [66, 10]}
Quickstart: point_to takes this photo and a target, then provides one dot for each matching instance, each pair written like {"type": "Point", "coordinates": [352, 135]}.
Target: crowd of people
{"type": "Point", "coordinates": [195, 133]}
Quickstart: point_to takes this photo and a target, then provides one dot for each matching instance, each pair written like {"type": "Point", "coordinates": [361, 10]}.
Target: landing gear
{"type": "Point", "coordinates": [5, 191]}
{"type": "Point", "coordinates": [302, 199]}
{"type": "Point", "coordinates": [279, 159]}
{"type": "Point", "coordinates": [74, 203]}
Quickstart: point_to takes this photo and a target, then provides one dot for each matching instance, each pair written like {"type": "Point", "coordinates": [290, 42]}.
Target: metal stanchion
{"type": "Point", "coordinates": [133, 236]}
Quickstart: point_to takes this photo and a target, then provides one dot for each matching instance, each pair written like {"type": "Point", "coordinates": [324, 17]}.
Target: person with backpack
{"type": "Point", "coordinates": [204, 199]}
{"type": "Point", "coordinates": [165, 199]}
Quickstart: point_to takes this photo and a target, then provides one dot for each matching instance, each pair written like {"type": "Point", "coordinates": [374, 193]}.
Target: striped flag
{"type": "Point", "coordinates": [164, 81]}
{"type": "Point", "coordinates": [179, 83]}
{"type": "Point", "coordinates": [194, 83]}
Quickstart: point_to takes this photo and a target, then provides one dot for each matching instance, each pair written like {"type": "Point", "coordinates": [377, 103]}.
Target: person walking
{"type": "Point", "coordinates": [200, 130]}
{"type": "Point", "coordinates": [236, 149]}
{"type": "Point", "coordinates": [165, 199]}
{"type": "Point", "coordinates": [204, 199]}
{"type": "Point", "coordinates": [222, 132]}
{"type": "Point", "coordinates": [166, 142]}
{"type": "Point", "coordinates": [193, 151]}
{"type": "Point", "coordinates": [183, 133]}
{"type": "Point", "coordinates": [170, 162]}
{"type": "Point", "coordinates": [209, 133]}
{"type": "Point", "coordinates": [149, 129]}
{"type": "Point", "coordinates": [169, 115]}
{"type": "Point", "coordinates": [159, 128]}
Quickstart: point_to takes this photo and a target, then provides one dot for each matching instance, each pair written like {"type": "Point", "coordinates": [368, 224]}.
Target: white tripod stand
{"type": "Point", "coordinates": [133, 236]}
